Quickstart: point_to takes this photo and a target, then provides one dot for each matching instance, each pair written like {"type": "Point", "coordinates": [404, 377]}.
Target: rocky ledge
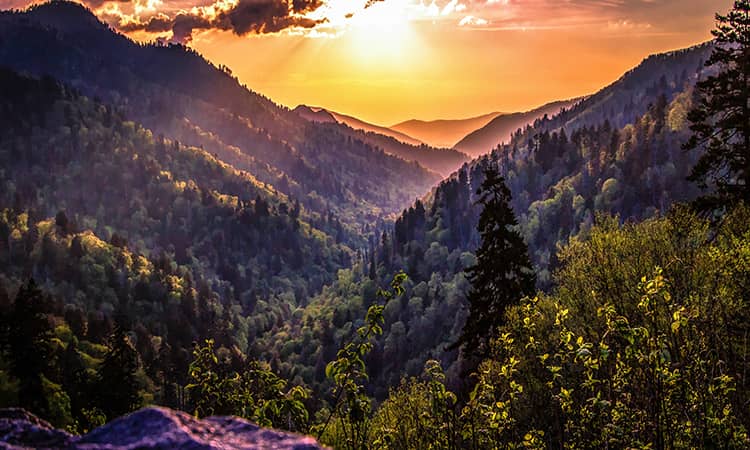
{"type": "Point", "coordinates": [149, 429]}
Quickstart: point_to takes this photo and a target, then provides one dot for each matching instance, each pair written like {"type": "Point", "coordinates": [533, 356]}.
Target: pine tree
{"type": "Point", "coordinates": [503, 273]}
{"type": "Point", "coordinates": [75, 382]}
{"type": "Point", "coordinates": [118, 386]}
{"type": "Point", "coordinates": [28, 346]}
{"type": "Point", "coordinates": [720, 120]}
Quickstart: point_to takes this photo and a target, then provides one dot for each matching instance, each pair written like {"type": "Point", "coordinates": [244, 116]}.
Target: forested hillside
{"type": "Point", "coordinates": [175, 92]}
{"type": "Point", "coordinates": [114, 222]}
{"type": "Point", "coordinates": [358, 124]}
{"type": "Point", "coordinates": [169, 237]}
{"type": "Point", "coordinates": [500, 129]}
{"type": "Point", "coordinates": [560, 178]}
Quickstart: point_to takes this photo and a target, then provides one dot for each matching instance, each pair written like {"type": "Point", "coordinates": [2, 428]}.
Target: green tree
{"type": "Point", "coordinates": [28, 346]}
{"type": "Point", "coordinates": [503, 273]}
{"type": "Point", "coordinates": [213, 388]}
{"type": "Point", "coordinates": [118, 386]}
{"type": "Point", "coordinates": [348, 372]}
{"type": "Point", "coordinates": [257, 394]}
{"type": "Point", "coordinates": [720, 120]}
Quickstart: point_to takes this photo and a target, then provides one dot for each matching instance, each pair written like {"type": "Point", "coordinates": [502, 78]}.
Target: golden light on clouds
{"type": "Point", "coordinates": [390, 60]}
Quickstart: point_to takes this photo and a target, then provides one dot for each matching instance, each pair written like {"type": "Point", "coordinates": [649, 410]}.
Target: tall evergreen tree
{"type": "Point", "coordinates": [27, 343]}
{"type": "Point", "coordinates": [75, 382]}
{"type": "Point", "coordinates": [118, 387]}
{"type": "Point", "coordinates": [503, 273]}
{"type": "Point", "coordinates": [720, 119]}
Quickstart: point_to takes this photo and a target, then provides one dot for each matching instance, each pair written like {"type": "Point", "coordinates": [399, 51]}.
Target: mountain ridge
{"type": "Point", "coordinates": [500, 129]}
{"type": "Point", "coordinates": [174, 91]}
{"type": "Point", "coordinates": [442, 161]}
{"type": "Point", "coordinates": [358, 124]}
{"type": "Point", "coordinates": [443, 132]}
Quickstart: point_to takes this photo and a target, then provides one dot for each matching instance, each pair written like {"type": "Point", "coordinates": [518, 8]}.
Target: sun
{"type": "Point", "coordinates": [391, 16]}
{"type": "Point", "coordinates": [383, 32]}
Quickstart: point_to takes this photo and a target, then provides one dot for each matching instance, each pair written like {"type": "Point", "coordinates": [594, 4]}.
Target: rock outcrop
{"type": "Point", "coordinates": [21, 429]}
{"type": "Point", "coordinates": [149, 429]}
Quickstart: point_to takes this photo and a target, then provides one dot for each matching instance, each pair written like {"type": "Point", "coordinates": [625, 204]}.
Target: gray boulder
{"type": "Point", "coordinates": [21, 429]}
{"type": "Point", "coordinates": [151, 428]}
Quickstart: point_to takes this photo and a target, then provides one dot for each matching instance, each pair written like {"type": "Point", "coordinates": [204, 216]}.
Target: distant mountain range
{"type": "Point", "coordinates": [500, 129]}
{"type": "Point", "coordinates": [326, 115]}
{"type": "Point", "coordinates": [443, 132]}
{"type": "Point", "coordinates": [443, 161]}
{"type": "Point", "coordinates": [493, 129]}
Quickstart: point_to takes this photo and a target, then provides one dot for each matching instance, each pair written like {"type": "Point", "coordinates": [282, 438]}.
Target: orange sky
{"type": "Point", "coordinates": [402, 59]}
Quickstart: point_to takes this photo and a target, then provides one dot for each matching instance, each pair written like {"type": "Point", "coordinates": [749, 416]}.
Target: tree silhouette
{"type": "Point", "coordinates": [503, 273]}
{"type": "Point", "coordinates": [720, 121]}
{"type": "Point", "coordinates": [27, 344]}
{"type": "Point", "coordinates": [117, 380]}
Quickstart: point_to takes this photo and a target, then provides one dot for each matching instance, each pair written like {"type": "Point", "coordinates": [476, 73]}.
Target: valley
{"type": "Point", "coordinates": [170, 237]}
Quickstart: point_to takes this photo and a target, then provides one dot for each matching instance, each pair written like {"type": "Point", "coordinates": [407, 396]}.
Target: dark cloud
{"type": "Point", "coordinates": [303, 6]}
{"type": "Point", "coordinates": [246, 17]}
{"type": "Point", "coordinates": [266, 16]}
{"type": "Point", "coordinates": [93, 4]}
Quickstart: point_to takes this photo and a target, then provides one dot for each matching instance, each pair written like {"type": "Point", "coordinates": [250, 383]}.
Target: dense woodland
{"type": "Point", "coordinates": [174, 91]}
{"type": "Point", "coordinates": [201, 248]}
{"type": "Point", "coordinates": [560, 178]}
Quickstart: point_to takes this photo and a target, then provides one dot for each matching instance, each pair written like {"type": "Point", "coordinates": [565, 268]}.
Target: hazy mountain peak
{"type": "Point", "coordinates": [499, 129]}
{"type": "Point", "coordinates": [443, 132]}
{"type": "Point", "coordinates": [314, 114]}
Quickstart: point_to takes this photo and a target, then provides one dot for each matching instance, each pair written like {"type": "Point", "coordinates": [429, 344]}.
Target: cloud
{"type": "Point", "coordinates": [94, 4]}
{"type": "Point", "coordinates": [664, 15]}
{"type": "Point", "coordinates": [242, 17]}
{"type": "Point", "coordinates": [182, 18]}
{"type": "Point", "coordinates": [266, 16]}
{"type": "Point", "coordinates": [471, 21]}
{"type": "Point", "coordinates": [452, 6]}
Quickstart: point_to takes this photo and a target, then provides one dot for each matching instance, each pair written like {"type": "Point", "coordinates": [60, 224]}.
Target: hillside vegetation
{"type": "Point", "coordinates": [168, 237]}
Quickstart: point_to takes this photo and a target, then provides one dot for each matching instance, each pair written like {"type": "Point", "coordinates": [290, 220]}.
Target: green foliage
{"type": "Point", "coordinates": [617, 152]}
{"type": "Point", "coordinates": [419, 413]}
{"type": "Point", "coordinates": [213, 391]}
{"type": "Point", "coordinates": [720, 119]}
{"type": "Point", "coordinates": [197, 249]}
{"type": "Point", "coordinates": [255, 392]}
{"type": "Point", "coordinates": [352, 406]}
{"type": "Point", "coordinates": [653, 361]}
{"type": "Point", "coordinates": [503, 272]}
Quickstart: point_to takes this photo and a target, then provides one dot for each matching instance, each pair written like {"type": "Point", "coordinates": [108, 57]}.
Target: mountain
{"type": "Point", "coordinates": [119, 229]}
{"type": "Point", "coordinates": [444, 132]}
{"type": "Point", "coordinates": [500, 129]}
{"type": "Point", "coordinates": [617, 152]}
{"type": "Point", "coordinates": [322, 115]}
{"type": "Point", "coordinates": [315, 114]}
{"type": "Point", "coordinates": [443, 161]}
{"type": "Point", "coordinates": [76, 168]}
{"type": "Point", "coordinates": [175, 92]}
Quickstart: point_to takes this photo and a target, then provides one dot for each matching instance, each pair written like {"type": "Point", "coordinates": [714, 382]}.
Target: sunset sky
{"type": "Point", "coordinates": [390, 60]}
